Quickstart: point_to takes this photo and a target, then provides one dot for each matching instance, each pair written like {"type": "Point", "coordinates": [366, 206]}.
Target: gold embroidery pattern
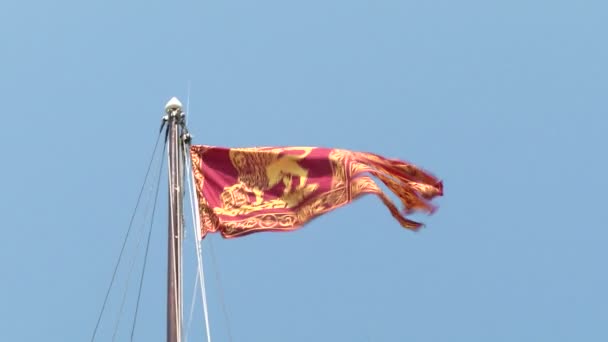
{"type": "Point", "coordinates": [261, 170]}
{"type": "Point", "coordinates": [338, 196]}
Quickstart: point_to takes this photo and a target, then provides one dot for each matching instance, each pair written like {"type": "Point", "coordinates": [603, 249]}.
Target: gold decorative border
{"type": "Point", "coordinates": [209, 221]}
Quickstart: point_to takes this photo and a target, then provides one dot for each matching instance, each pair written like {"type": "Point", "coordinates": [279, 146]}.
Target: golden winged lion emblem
{"type": "Point", "coordinates": [261, 170]}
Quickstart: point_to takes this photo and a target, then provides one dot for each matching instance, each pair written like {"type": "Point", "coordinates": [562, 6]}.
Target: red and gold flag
{"type": "Point", "coordinates": [246, 190]}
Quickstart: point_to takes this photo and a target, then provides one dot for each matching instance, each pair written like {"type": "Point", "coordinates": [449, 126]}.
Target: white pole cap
{"type": "Point", "coordinates": [172, 105]}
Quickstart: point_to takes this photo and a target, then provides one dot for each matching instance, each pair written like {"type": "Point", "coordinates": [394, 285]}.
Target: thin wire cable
{"type": "Point", "coordinates": [203, 288]}
{"type": "Point", "coordinates": [134, 258]}
{"type": "Point", "coordinates": [143, 272]}
{"type": "Point", "coordinates": [194, 292]}
{"type": "Point", "coordinates": [193, 302]}
{"type": "Point", "coordinates": [124, 297]}
{"type": "Point", "coordinates": [185, 145]}
{"type": "Point", "coordinates": [197, 243]}
{"type": "Point", "coordinates": [220, 290]}
{"type": "Point", "coordinates": [124, 243]}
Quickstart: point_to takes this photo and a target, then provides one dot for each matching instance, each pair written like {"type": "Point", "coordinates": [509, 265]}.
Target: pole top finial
{"type": "Point", "coordinates": [173, 104]}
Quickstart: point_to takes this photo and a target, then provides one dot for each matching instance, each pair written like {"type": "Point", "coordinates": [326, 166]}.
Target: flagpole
{"type": "Point", "coordinates": [175, 121]}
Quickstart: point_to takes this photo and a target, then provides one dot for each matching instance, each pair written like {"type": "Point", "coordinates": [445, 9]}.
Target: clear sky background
{"type": "Point", "coordinates": [505, 101]}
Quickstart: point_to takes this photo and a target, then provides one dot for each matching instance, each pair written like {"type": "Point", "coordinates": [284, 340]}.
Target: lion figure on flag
{"type": "Point", "coordinates": [260, 170]}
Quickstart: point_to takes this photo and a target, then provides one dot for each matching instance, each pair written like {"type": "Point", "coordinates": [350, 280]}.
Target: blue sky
{"type": "Point", "coordinates": [505, 101]}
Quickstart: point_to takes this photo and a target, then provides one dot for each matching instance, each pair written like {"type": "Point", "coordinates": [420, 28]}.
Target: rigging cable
{"type": "Point", "coordinates": [186, 329]}
{"type": "Point", "coordinates": [197, 278]}
{"type": "Point", "coordinates": [124, 297]}
{"type": "Point", "coordinates": [122, 249]}
{"type": "Point", "coordinates": [218, 280]}
{"type": "Point", "coordinates": [194, 296]}
{"type": "Point", "coordinates": [143, 272]}
{"type": "Point", "coordinates": [137, 247]}
{"type": "Point", "coordinates": [197, 241]}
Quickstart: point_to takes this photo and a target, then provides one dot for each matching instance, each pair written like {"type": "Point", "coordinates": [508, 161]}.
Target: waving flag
{"type": "Point", "coordinates": [246, 190]}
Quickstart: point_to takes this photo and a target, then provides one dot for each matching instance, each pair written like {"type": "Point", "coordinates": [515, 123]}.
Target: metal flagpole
{"type": "Point", "coordinates": [175, 122]}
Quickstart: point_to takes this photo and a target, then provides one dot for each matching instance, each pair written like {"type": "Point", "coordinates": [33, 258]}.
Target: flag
{"type": "Point", "coordinates": [247, 190]}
